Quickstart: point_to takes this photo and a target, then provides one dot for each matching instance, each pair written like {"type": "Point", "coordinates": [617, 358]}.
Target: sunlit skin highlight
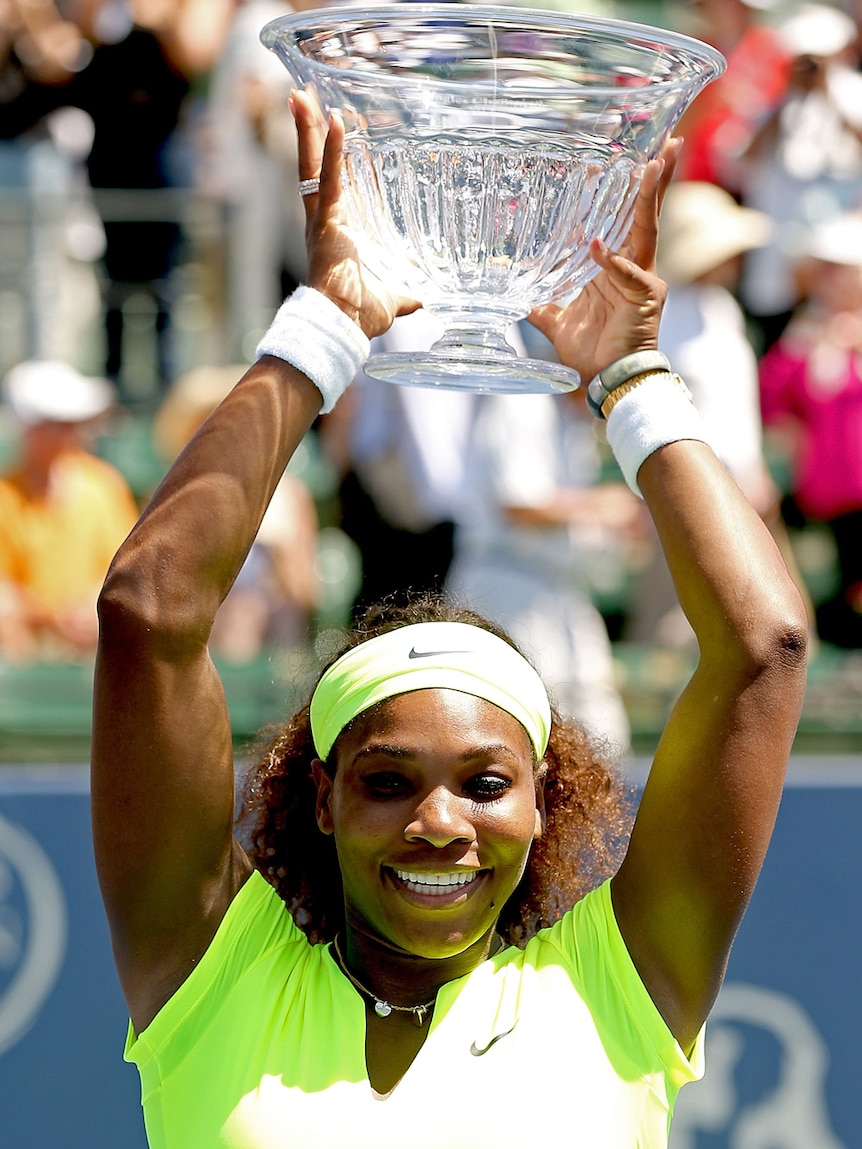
{"type": "Point", "coordinates": [435, 785]}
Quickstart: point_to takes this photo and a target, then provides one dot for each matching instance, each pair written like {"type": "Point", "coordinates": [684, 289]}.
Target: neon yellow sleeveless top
{"type": "Point", "coordinates": [263, 1047]}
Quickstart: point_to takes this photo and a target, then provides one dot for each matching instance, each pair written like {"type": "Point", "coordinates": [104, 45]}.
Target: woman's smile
{"type": "Point", "coordinates": [438, 890]}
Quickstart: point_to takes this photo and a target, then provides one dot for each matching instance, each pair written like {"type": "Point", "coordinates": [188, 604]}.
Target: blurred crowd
{"type": "Point", "coordinates": [147, 168]}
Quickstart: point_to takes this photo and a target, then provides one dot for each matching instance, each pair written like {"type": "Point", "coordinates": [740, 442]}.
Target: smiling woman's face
{"type": "Point", "coordinates": [434, 808]}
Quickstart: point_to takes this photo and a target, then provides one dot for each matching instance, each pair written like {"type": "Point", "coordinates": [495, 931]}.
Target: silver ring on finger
{"type": "Point", "coordinates": [309, 187]}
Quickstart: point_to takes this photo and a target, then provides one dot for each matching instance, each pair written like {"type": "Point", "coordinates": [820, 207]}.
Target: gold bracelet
{"type": "Point", "coordinates": [635, 381]}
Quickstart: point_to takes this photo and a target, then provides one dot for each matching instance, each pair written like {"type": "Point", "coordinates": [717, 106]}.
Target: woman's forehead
{"type": "Point", "coordinates": [442, 718]}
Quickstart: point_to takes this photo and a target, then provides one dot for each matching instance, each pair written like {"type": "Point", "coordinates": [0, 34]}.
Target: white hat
{"type": "Point", "coordinates": [702, 225]}
{"type": "Point", "coordinates": [49, 391]}
{"type": "Point", "coordinates": [818, 30]}
{"type": "Point", "coordinates": [836, 240]}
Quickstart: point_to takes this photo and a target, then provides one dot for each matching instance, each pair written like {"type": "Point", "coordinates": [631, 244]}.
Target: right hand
{"type": "Point", "coordinates": [334, 266]}
{"type": "Point", "coordinates": [618, 312]}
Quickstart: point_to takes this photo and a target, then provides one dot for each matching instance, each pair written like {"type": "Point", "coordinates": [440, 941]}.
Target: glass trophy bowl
{"type": "Point", "coordinates": [485, 148]}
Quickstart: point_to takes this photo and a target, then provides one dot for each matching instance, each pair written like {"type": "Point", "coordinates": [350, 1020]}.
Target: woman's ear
{"type": "Point", "coordinates": [322, 808]}
{"type": "Point", "coordinates": [541, 812]}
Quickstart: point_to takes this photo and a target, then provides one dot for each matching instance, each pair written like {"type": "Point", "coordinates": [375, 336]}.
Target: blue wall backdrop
{"type": "Point", "coordinates": [782, 1048]}
{"type": "Point", "coordinates": [63, 1083]}
{"type": "Point", "coordinates": [783, 1041]}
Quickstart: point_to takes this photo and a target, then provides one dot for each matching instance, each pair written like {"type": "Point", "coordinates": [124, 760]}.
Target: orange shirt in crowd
{"type": "Point", "coordinates": [57, 548]}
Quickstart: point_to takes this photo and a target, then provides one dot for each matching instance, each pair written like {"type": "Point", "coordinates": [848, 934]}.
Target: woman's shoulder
{"type": "Point", "coordinates": [587, 944]}
{"type": "Point", "coordinates": [259, 913]}
{"type": "Point", "coordinates": [588, 918]}
{"type": "Point", "coordinates": [257, 942]}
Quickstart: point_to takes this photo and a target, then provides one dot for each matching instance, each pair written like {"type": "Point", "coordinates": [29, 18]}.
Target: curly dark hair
{"type": "Point", "coordinates": [588, 809]}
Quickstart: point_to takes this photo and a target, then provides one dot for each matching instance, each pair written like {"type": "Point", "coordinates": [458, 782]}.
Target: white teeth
{"type": "Point", "coordinates": [435, 883]}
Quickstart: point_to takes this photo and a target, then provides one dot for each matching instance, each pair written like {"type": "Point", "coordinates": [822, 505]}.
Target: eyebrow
{"type": "Point", "coordinates": [404, 753]}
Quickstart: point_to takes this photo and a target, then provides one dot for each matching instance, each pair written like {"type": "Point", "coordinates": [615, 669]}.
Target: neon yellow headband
{"type": "Point", "coordinates": [429, 655]}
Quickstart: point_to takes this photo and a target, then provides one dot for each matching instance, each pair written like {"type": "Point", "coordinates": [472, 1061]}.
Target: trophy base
{"type": "Point", "coordinates": [463, 369]}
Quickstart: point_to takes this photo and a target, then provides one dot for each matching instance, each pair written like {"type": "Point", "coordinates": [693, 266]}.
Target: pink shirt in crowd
{"type": "Point", "coordinates": [819, 388]}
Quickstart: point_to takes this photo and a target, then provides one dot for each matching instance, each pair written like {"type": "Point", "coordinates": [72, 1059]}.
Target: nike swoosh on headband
{"type": "Point", "coordinates": [414, 653]}
{"type": "Point", "coordinates": [477, 1052]}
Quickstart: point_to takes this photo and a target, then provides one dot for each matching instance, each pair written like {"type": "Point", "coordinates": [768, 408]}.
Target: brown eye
{"type": "Point", "coordinates": [486, 786]}
{"type": "Point", "coordinates": [386, 784]}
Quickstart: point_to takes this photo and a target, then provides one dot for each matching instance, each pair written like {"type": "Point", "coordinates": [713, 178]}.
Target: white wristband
{"type": "Point", "coordinates": [656, 412]}
{"type": "Point", "coordinates": [315, 336]}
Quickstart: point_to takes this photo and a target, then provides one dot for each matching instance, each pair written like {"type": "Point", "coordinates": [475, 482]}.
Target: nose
{"type": "Point", "coordinates": [440, 819]}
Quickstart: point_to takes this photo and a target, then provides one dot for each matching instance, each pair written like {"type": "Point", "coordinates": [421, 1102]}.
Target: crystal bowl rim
{"type": "Point", "coordinates": [530, 17]}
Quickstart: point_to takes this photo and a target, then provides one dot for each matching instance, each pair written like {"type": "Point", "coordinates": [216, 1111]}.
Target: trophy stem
{"type": "Point", "coordinates": [473, 354]}
{"type": "Point", "coordinates": [475, 336]}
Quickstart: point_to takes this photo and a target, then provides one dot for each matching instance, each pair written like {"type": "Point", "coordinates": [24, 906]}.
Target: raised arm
{"type": "Point", "coordinates": [162, 766]}
{"type": "Point", "coordinates": [709, 805]}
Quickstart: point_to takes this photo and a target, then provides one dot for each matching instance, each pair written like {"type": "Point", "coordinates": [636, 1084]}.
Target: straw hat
{"type": "Point", "coordinates": [50, 391]}
{"type": "Point", "coordinates": [702, 226]}
{"type": "Point", "coordinates": [188, 402]}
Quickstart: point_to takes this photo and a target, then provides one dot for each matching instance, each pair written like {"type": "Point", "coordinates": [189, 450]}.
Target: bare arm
{"type": "Point", "coordinates": [162, 781]}
{"type": "Point", "coordinates": [50, 45]}
{"type": "Point", "coordinates": [709, 805]}
{"type": "Point", "coordinates": [162, 768]}
{"type": "Point", "coordinates": [192, 32]}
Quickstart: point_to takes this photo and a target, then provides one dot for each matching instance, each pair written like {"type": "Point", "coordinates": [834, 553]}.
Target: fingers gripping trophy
{"type": "Point", "coordinates": [485, 150]}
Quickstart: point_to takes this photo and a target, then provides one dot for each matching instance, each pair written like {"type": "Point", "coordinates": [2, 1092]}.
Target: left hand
{"type": "Point", "coordinates": [619, 310]}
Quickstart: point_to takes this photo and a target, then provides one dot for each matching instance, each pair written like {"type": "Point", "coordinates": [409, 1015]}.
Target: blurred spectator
{"type": "Point", "coordinates": [249, 166]}
{"type": "Point", "coordinates": [704, 234]}
{"type": "Point", "coordinates": [811, 387]}
{"type": "Point", "coordinates": [49, 232]}
{"type": "Point", "coordinates": [63, 514]}
{"type": "Point", "coordinates": [129, 65]}
{"type": "Point", "coordinates": [271, 604]}
{"type": "Point", "coordinates": [401, 453]}
{"type": "Point", "coordinates": [720, 124]}
{"type": "Point", "coordinates": [531, 518]}
{"type": "Point", "coordinates": [805, 164]}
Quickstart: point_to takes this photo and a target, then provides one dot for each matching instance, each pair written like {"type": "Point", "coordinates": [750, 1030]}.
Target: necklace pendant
{"type": "Point", "coordinates": [382, 1008]}
{"type": "Point", "coordinates": [420, 1012]}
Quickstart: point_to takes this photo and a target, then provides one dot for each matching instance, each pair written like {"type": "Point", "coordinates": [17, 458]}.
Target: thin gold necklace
{"type": "Point", "coordinates": [382, 1007]}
